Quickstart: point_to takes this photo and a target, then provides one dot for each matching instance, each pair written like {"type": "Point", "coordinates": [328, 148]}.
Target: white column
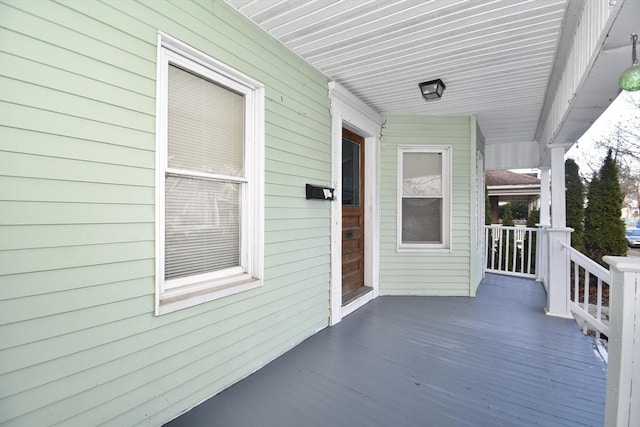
{"type": "Point", "coordinates": [545, 222]}
{"type": "Point", "coordinates": [623, 370]}
{"type": "Point", "coordinates": [545, 197]}
{"type": "Point", "coordinates": [558, 188]}
{"type": "Point", "coordinates": [558, 257]}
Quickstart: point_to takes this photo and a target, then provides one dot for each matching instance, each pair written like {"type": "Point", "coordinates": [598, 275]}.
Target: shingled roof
{"type": "Point", "coordinates": [500, 178]}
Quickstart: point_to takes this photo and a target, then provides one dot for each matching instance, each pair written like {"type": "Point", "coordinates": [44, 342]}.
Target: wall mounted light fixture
{"type": "Point", "coordinates": [432, 89]}
{"type": "Point", "coordinates": [630, 78]}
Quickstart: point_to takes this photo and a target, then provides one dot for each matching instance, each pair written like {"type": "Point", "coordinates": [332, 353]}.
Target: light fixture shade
{"type": "Point", "coordinates": [432, 89]}
{"type": "Point", "coordinates": [630, 78]}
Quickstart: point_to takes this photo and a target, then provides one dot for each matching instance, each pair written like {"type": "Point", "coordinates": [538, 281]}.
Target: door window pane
{"type": "Point", "coordinates": [350, 173]}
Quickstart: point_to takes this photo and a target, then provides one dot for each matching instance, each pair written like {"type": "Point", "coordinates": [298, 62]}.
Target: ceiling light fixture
{"type": "Point", "coordinates": [432, 89]}
{"type": "Point", "coordinates": [630, 78]}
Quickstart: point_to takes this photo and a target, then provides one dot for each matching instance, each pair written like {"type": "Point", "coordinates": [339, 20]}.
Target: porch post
{"type": "Point", "coordinates": [623, 370]}
{"type": "Point", "coordinates": [558, 261]}
{"type": "Point", "coordinates": [545, 223]}
{"type": "Point", "coordinates": [545, 196]}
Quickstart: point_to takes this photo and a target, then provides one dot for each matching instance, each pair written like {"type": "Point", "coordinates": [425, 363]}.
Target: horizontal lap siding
{"type": "Point", "coordinates": [405, 273]}
{"type": "Point", "coordinates": [80, 344]}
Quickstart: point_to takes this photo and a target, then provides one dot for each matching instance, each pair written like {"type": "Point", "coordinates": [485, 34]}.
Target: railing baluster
{"type": "Point", "coordinates": [500, 250]}
{"type": "Point", "coordinates": [599, 306]}
{"type": "Point", "coordinates": [521, 256]}
{"type": "Point", "coordinates": [515, 251]}
{"type": "Point", "coordinates": [576, 282]}
{"type": "Point", "coordinates": [529, 240]}
{"type": "Point", "coordinates": [493, 248]}
{"type": "Point", "coordinates": [587, 279]}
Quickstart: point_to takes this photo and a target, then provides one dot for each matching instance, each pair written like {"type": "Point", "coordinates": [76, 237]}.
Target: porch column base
{"type": "Point", "coordinates": [563, 316]}
{"type": "Point", "coordinates": [558, 272]}
{"type": "Point", "coordinates": [541, 255]}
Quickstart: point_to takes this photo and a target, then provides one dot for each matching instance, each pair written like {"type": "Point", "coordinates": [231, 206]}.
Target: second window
{"type": "Point", "coordinates": [424, 197]}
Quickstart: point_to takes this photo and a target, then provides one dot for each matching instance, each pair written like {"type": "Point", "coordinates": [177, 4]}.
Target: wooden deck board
{"type": "Point", "coordinates": [494, 360]}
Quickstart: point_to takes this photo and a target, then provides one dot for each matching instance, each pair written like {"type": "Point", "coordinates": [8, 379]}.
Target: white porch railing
{"type": "Point", "coordinates": [590, 283]}
{"type": "Point", "coordinates": [511, 250]}
{"type": "Point", "coordinates": [518, 251]}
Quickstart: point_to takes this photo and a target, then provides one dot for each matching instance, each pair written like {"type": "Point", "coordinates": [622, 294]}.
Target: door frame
{"type": "Point", "coordinates": [350, 112]}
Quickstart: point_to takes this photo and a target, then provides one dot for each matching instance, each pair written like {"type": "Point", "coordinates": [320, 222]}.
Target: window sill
{"type": "Point", "coordinates": [440, 250]}
{"type": "Point", "coordinates": [198, 293]}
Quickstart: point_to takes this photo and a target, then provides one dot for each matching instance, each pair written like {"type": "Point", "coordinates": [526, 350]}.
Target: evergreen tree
{"type": "Point", "coordinates": [488, 217]}
{"type": "Point", "coordinates": [520, 210]}
{"type": "Point", "coordinates": [507, 219]}
{"type": "Point", "coordinates": [603, 228]}
{"type": "Point", "coordinates": [575, 203]}
{"type": "Point", "coordinates": [508, 242]}
{"type": "Point", "coordinates": [532, 220]}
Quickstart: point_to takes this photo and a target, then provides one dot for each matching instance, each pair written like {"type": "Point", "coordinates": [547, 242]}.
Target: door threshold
{"type": "Point", "coordinates": [354, 295]}
{"type": "Point", "coordinates": [355, 300]}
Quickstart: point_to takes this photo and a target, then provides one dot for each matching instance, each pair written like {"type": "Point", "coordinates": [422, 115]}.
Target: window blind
{"type": "Point", "coordinates": [205, 125]}
{"type": "Point", "coordinates": [202, 215]}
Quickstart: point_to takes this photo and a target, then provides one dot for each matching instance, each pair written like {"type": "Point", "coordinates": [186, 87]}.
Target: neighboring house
{"type": "Point", "coordinates": [157, 244]}
{"type": "Point", "coordinates": [508, 186]}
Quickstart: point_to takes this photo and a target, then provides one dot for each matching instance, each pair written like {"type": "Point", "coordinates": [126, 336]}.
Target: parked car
{"type": "Point", "coordinates": [633, 237]}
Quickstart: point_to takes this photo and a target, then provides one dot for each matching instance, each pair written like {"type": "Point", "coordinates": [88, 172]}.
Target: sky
{"type": "Point", "coordinates": [585, 152]}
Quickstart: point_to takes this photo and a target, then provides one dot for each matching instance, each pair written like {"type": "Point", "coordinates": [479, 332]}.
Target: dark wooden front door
{"type": "Point", "coordinates": [352, 215]}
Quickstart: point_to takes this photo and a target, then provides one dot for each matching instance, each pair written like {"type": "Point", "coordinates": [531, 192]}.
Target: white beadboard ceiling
{"type": "Point", "coordinates": [501, 60]}
{"type": "Point", "coordinates": [495, 56]}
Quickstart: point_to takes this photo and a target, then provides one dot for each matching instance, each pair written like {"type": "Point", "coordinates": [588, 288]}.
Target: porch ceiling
{"type": "Point", "coordinates": [496, 57]}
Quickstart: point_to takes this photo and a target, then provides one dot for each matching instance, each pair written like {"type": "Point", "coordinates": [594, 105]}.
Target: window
{"type": "Point", "coordinates": [424, 198]}
{"type": "Point", "coordinates": [210, 167]}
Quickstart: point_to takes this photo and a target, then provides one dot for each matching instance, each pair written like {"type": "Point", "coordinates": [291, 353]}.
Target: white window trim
{"type": "Point", "coordinates": [447, 196]}
{"type": "Point", "coordinates": [189, 291]}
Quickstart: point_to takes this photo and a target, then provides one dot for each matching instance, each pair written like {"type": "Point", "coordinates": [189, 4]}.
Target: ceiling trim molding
{"type": "Point", "coordinates": [339, 93]}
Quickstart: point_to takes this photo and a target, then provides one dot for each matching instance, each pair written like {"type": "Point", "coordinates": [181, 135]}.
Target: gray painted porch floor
{"type": "Point", "coordinates": [494, 360]}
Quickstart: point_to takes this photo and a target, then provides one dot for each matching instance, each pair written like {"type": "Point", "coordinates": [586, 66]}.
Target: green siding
{"type": "Point", "coordinates": [428, 273]}
{"type": "Point", "coordinates": [80, 344]}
